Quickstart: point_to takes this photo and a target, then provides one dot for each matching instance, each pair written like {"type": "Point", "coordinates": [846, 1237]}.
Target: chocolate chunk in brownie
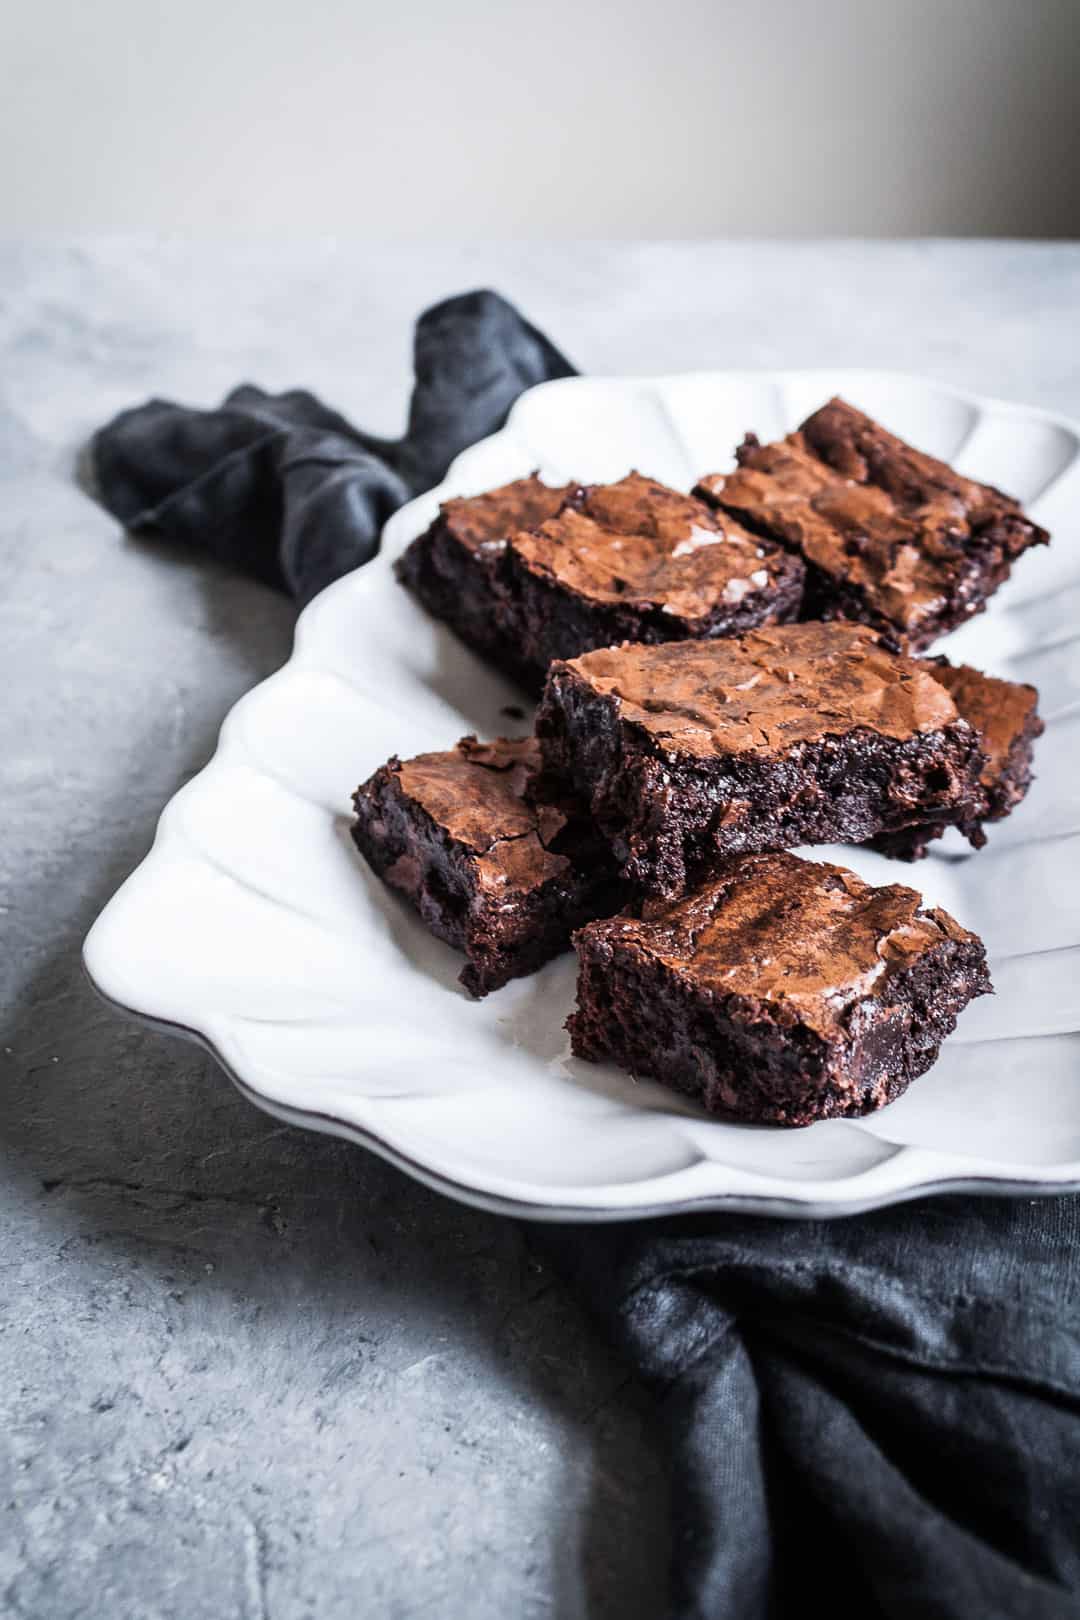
{"type": "Point", "coordinates": [454, 566]}
{"type": "Point", "coordinates": [891, 537]}
{"type": "Point", "coordinates": [781, 991]}
{"type": "Point", "coordinates": [792, 734]}
{"type": "Point", "coordinates": [493, 868]}
{"type": "Point", "coordinates": [584, 567]}
{"type": "Point", "coordinates": [1004, 714]}
{"type": "Point", "coordinates": [637, 561]}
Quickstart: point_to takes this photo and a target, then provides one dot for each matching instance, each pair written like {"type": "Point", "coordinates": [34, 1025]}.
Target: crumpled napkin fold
{"type": "Point", "coordinates": [282, 487]}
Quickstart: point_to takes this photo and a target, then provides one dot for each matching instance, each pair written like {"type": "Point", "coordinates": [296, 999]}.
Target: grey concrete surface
{"type": "Point", "coordinates": [245, 1370]}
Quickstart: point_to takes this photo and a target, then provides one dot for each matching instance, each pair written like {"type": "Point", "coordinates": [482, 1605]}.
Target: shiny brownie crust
{"type": "Point", "coordinates": [782, 991]}
{"type": "Point", "coordinates": [891, 537]}
{"type": "Point", "coordinates": [637, 561]}
{"type": "Point", "coordinates": [526, 574]}
{"type": "Point", "coordinates": [455, 567]}
{"type": "Point", "coordinates": [493, 868]}
{"type": "Point", "coordinates": [796, 734]}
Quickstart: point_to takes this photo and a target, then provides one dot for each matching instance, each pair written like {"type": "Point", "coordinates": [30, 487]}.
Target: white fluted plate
{"type": "Point", "coordinates": [254, 927]}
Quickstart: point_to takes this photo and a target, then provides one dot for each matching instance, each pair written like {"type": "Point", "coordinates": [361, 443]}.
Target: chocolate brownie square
{"type": "Point", "coordinates": [495, 870]}
{"type": "Point", "coordinates": [792, 734]}
{"type": "Point", "coordinates": [527, 574]}
{"type": "Point", "coordinates": [637, 561]}
{"type": "Point", "coordinates": [782, 991]}
{"type": "Point", "coordinates": [891, 537]}
{"type": "Point", "coordinates": [454, 566]}
{"type": "Point", "coordinates": [1005, 715]}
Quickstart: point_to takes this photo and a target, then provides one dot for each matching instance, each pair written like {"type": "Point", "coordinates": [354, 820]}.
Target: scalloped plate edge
{"type": "Point", "coordinates": [955, 1174]}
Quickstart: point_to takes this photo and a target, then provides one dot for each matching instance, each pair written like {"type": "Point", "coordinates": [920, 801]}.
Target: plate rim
{"type": "Point", "coordinates": [766, 1204]}
{"type": "Point", "coordinates": [1059, 1180]}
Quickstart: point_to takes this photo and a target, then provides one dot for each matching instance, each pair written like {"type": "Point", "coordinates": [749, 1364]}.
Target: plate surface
{"type": "Point", "coordinates": [254, 927]}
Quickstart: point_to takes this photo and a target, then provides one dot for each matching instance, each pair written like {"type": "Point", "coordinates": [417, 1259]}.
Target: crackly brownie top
{"type": "Point", "coordinates": [768, 689]}
{"type": "Point", "coordinates": [1000, 711]}
{"type": "Point", "coordinates": [637, 543]}
{"type": "Point", "coordinates": [476, 793]}
{"type": "Point", "coordinates": [806, 939]}
{"type": "Point", "coordinates": [868, 509]}
{"type": "Point", "coordinates": [487, 520]}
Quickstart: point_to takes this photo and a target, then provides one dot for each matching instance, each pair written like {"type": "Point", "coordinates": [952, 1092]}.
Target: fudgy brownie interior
{"type": "Point", "coordinates": [780, 991]}
{"type": "Point", "coordinates": [493, 868]}
{"type": "Point", "coordinates": [526, 574]}
{"type": "Point", "coordinates": [637, 561]}
{"type": "Point", "coordinates": [793, 734]}
{"type": "Point", "coordinates": [1005, 715]}
{"type": "Point", "coordinates": [454, 567]}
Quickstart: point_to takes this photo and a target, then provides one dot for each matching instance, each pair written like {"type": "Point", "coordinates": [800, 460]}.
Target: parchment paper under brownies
{"type": "Point", "coordinates": [891, 537]}
{"type": "Point", "coordinates": [792, 734]}
{"type": "Point", "coordinates": [525, 574]}
{"type": "Point", "coordinates": [781, 991]}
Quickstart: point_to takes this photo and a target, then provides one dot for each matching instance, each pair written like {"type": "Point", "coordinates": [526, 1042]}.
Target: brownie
{"type": "Point", "coordinates": [1004, 714]}
{"type": "Point", "coordinates": [493, 868]}
{"type": "Point", "coordinates": [453, 568]}
{"type": "Point", "coordinates": [782, 991]}
{"type": "Point", "coordinates": [637, 561]}
{"type": "Point", "coordinates": [801, 733]}
{"type": "Point", "coordinates": [527, 574]}
{"type": "Point", "coordinates": [891, 537]}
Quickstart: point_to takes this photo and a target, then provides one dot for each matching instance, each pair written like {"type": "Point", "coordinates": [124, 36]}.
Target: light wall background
{"type": "Point", "coordinates": [565, 118]}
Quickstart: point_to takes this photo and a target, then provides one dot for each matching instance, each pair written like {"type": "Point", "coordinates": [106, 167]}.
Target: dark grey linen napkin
{"type": "Point", "coordinates": [284, 488]}
{"type": "Point", "coordinates": [879, 1414]}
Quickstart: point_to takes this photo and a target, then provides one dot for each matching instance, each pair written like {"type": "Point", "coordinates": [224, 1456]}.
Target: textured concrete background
{"type": "Point", "coordinates": [245, 1370]}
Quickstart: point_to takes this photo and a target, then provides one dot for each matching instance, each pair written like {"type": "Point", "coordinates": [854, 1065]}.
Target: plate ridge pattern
{"type": "Point", "coordinates": [567, 1144]}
